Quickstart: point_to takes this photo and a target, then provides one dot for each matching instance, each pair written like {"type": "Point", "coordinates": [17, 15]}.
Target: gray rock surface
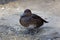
{"type": "Point", "coordinates": [10, 29]}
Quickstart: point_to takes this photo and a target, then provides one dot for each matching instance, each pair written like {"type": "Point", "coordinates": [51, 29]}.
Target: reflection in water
{"type": "Point", "coordinates": [36, 31]}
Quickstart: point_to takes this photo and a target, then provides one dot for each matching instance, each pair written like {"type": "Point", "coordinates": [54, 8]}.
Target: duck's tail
{"type": "Point", "coordinates": [45, 21]}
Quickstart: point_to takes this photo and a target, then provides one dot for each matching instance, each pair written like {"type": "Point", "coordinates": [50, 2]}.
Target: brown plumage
{"type": "Point", "coordinates": [28, 19]}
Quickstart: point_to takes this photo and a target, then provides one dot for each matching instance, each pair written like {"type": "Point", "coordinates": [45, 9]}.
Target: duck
{"type": "Point", "coordinates": [30, 20]}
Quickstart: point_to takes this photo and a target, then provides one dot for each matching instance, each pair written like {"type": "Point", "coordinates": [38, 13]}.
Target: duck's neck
{"type": "Point", "coordinates": [26, 14]}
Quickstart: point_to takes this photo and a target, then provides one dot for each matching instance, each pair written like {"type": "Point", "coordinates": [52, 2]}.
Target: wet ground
{"type": "Point", "coordinates": [10, 28]}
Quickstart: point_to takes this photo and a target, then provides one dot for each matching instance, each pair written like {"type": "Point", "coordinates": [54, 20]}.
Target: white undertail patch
{"type": "Point", "coordinates": [31, 26]}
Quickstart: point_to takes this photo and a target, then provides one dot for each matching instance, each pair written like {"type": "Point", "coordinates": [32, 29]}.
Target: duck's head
{"type": "Point", "coordinates": [27, 12]}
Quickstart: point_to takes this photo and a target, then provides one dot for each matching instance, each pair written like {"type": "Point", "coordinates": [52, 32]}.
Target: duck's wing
{"type": "Point", "coordinates": [38, 17]}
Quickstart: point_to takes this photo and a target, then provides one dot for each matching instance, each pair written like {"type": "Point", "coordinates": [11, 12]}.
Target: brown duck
{"type": "Point", "coordinates": [30, 20]}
